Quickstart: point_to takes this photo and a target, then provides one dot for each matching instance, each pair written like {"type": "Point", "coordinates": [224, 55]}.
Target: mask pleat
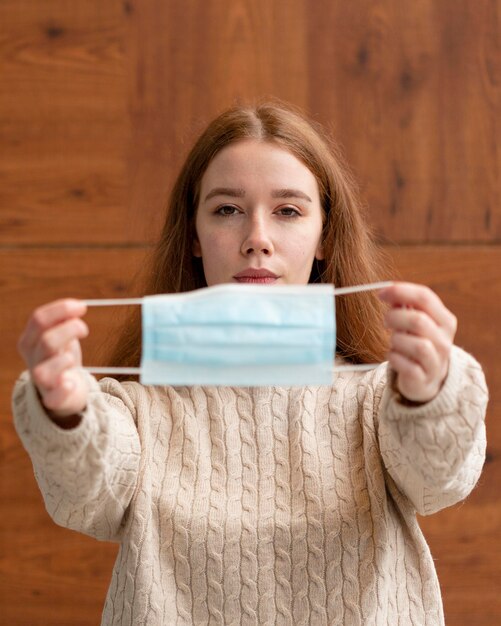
{"type": "Point", "coordinates": [237, 335]}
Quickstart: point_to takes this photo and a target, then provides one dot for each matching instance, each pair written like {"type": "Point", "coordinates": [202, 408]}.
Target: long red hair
{"type": "Point", "coordinates": [351, 255]}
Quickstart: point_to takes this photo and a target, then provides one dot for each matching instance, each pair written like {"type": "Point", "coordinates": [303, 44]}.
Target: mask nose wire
{"type": "Point", "coordinates": [138, 301]}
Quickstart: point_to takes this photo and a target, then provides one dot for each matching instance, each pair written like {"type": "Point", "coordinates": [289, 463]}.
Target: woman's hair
{"type": "Point", "coordinates": [351, 256]}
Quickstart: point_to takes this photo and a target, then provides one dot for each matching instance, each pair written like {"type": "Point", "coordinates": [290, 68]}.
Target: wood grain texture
{"type": "Point", "coordinates": [192, 60]}
{"type": "Point", "coordinates": [63, 122]}
{"type": "Point", "coordinates": [413, 91]}
{"type": "Point", "coordinates": [43, 568]}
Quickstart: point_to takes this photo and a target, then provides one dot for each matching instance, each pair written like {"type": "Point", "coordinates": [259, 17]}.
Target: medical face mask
{"type": "Point", "coordinates": [239, 335]}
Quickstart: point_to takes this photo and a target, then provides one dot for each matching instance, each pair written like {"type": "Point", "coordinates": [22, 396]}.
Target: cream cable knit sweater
{"type": "Point", "coordinates": [263, 505]}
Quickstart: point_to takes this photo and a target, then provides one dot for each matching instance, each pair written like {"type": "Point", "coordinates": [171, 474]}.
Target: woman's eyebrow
{"type": "Point", "coordinates": [240, 193]}
{"type": "Point", "coordinates": [225, 191]}
{"type": "Point", "coordinates": [290, 193]}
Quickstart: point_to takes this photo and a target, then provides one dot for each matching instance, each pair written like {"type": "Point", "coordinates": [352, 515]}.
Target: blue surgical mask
{"type": "Point", "coordinates": [236, 334]}
{"type": "Point", "coordinates": [240, 335]}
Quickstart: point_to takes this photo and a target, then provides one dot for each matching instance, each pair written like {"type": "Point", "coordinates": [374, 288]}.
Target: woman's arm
{"type": "Point", "coordinates": [431, 416]}
{"type": "Point", "coordinates": [435, 452]}
{"type": "Point", "coordinates": [80, 435]}
{"type": "Point", "coordinates": [87, 474]}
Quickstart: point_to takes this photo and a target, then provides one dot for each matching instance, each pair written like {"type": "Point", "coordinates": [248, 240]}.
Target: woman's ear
{"type": "Point", "coordinates": [320, 254]}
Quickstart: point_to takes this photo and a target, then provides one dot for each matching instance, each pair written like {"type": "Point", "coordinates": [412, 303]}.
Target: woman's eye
{"type": "Point", "coordinates": [289, 211]}
{"type": "Point", "coordinates": [226, 209]}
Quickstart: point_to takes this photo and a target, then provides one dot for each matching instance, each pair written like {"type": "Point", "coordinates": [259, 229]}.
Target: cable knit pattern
{"type": "Point", "coordinates": [265, 505]}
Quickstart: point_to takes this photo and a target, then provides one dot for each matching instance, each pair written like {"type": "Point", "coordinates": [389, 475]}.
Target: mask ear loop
{"type": "Point", "coordinates": [341, 291]}
{"type": "Point", "coordinates": [136, 371]}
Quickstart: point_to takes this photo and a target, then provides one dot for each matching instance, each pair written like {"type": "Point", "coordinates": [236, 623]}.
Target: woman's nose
{"type": "Point", "coordinates": [257, 239]}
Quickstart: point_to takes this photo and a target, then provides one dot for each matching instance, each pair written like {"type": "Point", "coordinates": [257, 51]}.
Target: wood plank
{"type": "Point", "coordinates": [63, 122]}
{"type": "Point", "coordinates": [189, 62]}
{"type": "Point", "coordinates": [412, 95]}
{"type": "Point", "coordinates": [43, 567]}
{"type": "Point", "coordinates": [413, 92]}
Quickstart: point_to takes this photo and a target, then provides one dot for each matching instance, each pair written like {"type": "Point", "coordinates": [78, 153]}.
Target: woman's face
{"type": "Point", "coordinates": [259, 218]}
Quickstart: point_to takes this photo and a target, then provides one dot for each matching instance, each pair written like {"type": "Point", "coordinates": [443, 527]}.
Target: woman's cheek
{"type": "Point", "coordinates": [218, 246]}
{"type": "Point", "coordinates": [295, 248]}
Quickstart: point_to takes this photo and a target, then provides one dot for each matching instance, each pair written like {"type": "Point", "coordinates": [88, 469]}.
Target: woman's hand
{"type": "Point", "coordinates": [422, 333]}
{"type": "Point", "coordinates": [51, 349]}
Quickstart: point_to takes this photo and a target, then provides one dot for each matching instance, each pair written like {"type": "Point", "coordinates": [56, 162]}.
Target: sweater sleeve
{"type": "Point", "coordinates": [435, 452]}
{"type": "Point", "coordinates": [87, 475]}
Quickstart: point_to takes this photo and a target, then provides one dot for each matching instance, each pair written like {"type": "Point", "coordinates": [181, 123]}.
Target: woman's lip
{"type": "Point", "coordinates": [256, 279]}
{"type": "Point", "coordinates": [255, 273]}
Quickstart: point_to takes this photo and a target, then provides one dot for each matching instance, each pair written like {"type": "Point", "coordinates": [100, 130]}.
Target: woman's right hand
{"type": "Point", "coordinates": [51, 349]}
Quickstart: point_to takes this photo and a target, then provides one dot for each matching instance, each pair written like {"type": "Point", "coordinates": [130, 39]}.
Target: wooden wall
{"type": "Point", "coordinates": [98, 106]}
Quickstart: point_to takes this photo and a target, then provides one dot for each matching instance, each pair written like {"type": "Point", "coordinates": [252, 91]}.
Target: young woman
{"type": "Point", "coordinates": [262, 505]}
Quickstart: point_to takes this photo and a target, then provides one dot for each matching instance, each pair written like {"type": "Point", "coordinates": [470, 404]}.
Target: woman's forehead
{"type": "Point", "coordinates": [251, 162]}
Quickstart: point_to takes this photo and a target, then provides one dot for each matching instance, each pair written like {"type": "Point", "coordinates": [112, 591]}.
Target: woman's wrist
{"type": "Point", "coordinates": [66, 422]}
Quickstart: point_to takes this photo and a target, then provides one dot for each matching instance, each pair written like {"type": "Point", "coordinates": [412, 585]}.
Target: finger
{"type": "Point", "coordinates": [422, 298]}
{"type": "Point", "coordinates": [411, 321]}
{"type": "Point", "coordinates": [421, 351]}
{"type": "Point", "coordinates": [45, 317]}
{"type": "Point", "coordinates": [57, 339]}
{"type": "Point", "coordinates": [420, 324]}
{"type": "Point", "coordinates": [47, 375]}
{"type": "Point", "coordinates": [407, 367]}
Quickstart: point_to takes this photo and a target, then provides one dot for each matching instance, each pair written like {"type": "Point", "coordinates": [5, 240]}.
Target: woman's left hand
{"type": "Point", "coordinates": [422, 333]}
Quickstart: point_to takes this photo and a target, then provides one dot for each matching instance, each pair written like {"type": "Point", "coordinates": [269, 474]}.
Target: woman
{"type": "Point", "coordinates": [257, 505]}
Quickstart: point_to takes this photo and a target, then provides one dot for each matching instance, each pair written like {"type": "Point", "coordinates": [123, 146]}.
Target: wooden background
{"type": "Point", "coordinates": [99, 103]}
